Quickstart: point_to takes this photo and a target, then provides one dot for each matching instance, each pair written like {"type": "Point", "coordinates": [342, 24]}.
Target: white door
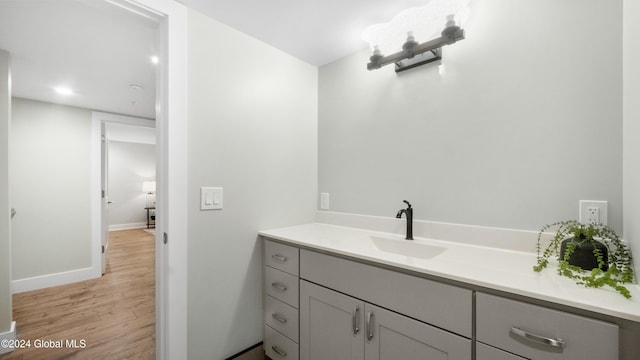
{"type": "Point", "coordinates": [104, 183]}
{"type": "Point", "coordinates": [391, 336]}
{"type": "Point", "coordinates": [331, 324]}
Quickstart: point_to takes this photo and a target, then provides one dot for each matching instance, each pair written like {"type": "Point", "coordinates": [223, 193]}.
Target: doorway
{"type": "Point", "coordinates": [171, 114]}
{"type": "Point", "coordinates": [106, 128]}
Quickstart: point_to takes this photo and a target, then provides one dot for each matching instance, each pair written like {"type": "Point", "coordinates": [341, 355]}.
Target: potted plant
{"type": "Point", "coordinates": [591, 254]}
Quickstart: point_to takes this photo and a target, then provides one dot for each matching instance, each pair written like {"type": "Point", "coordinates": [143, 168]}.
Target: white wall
{"type": "Point", "coordinates": [525, 122]}
{"type": "Point", "coordinates": [50, 175]}
{"type": "Point", "coordinates": [5, 198]}
{"type": "Point", "coordinates": [631, 187]}
{"type": "Point", "coordinates": [130, 164]}
{"type": "Point", "coordinates": [252, 129]}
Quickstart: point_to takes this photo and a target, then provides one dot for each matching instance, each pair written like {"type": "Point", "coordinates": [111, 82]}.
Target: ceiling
{"type": "Point", "coordinates": [316, 31]}
{"type": "Point", "coordinates": [93, 47]}
{"type": "Point", "coordinates": [100, 50]}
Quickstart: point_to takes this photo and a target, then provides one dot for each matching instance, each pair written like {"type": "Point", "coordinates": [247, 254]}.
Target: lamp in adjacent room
{"type": "Point", "coordinates": [149, 187]}
{"type": "Point", "coordinates": [438, 23]}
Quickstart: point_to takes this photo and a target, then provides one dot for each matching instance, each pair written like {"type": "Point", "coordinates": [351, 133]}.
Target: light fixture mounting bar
{"type": "Point", "coordinates": [432, 46]}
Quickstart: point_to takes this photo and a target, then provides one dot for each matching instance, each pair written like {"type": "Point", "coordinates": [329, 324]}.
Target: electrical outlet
{"type": "Point", "coordinates": [593, 215]}
{"type": "Point", "coordinates": [593, 212]}
{"type": "Point", "coordinates": [324, 201]}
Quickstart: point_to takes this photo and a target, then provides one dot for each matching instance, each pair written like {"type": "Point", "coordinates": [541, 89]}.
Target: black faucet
{"type": "Point", "coordinates": [409, 214]}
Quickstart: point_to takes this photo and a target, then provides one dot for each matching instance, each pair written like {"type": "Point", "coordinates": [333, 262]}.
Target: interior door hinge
{"type": "Point", "coordinates": [103, 194]}
{"type": "Point", "coordinates": [165, 238]}
{"type": "Point", "coordinates": [103, 249]}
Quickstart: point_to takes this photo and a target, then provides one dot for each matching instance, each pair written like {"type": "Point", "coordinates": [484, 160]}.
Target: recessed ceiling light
{"type": "Point", "coordinates": [155, 59]}
{"type": "Point", "coordinates": [63, 90]}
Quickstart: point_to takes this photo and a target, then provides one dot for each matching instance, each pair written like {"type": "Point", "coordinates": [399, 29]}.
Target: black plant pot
{"type": "Point", "coordinates": [583, 256]}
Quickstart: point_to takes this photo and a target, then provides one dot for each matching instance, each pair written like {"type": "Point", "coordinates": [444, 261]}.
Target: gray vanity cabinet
{"type": "Point", "coordinates": [339, 327]}
{"type": "Point", "coordinates": [320, 306]}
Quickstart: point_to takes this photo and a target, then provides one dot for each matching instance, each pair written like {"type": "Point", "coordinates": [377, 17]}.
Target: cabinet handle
{"type": "Point", "coordinates": [279, 317]}
{"type": "Point", "coordinates": [279, 257]}
{"type": "Point", "coordinates": [557, 343]}
{"type": "Point", "coordinates": [369, 326]}
{"type": "Point", "coordinates": [278, 350]}
{"type": "Point", "coordinates": [280, 286]}
{"type": "Point", "coordinates": [355, 319]}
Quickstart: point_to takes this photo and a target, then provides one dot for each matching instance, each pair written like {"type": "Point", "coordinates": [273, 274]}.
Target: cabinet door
{"type": "Point", "coordinates": [331, 324]}
{"type": "Point", "coordinates": [390, 336]}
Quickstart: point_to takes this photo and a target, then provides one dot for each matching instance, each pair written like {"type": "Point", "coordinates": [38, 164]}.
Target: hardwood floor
{"type": "Point", "coordinates": [114, 315]}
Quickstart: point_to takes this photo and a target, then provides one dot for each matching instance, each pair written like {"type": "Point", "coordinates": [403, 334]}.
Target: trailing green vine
{"type": "Point", "coordinates": [620, 270]}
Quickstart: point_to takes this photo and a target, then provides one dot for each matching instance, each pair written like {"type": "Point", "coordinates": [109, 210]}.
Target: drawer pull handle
{"type": "Point", "coordinates": [369, 326]}
{"type": "Point", "coordinates": [279, 286]}
{"type": "Point", "coordinates": [279, 257]}
{"type": "Point", "coordinates": [356, 320]}
{"type": "Point", "coordinates": [279, 317]}
{"type": "Point", "coordinates": [557, 343]}
{"type": "Point", "coordinates": [278, 350]}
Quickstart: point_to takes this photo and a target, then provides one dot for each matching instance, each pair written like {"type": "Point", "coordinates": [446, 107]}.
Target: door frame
{"type": "Point", "coordinates": [171, 174]}
{"type": "Point", "coordinates": [98, 226]}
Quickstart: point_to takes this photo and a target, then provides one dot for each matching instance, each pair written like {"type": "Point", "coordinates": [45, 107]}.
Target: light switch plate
{"type": "Point", "coordinates": [211, 198]}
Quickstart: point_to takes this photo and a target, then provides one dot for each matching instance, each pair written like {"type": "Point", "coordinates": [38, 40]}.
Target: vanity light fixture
{"type": "Point", "coordinates": [423, 22]}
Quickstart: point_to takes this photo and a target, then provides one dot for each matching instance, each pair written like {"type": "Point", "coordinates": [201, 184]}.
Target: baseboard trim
{"type": "Point", "coordinates": [244, 351]}
{"type": "Point", "coordinates": [8, 335]}
{"type": "Point", "coordinates": [116, 227]}
{"type": "Point", "coordinates": [49, 280]}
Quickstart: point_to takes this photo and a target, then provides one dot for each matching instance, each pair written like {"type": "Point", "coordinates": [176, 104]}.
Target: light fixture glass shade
{"type": "Point", "coordinates": [149, 186]}
{"type": "Point", "coordinates": [425, 22]}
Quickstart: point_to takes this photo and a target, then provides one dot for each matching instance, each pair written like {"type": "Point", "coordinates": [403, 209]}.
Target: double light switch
{"type": "Point", "coordinates": [210, 198]}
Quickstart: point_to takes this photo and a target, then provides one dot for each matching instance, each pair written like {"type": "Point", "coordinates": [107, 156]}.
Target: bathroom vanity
{"type": "Point", "coordinates": [333, 292]}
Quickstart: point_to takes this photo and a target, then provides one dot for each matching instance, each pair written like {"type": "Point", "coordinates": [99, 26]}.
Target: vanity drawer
{"type": "Point", "coordinates": [281, 286]}
{"type": "Point", "coordinates": [278, 347]}
{"type": "Point", "coordinates": [445, 306]}
{"type": "Point", "coordinates": [522, 328]}
{"type": "Point", "coordinates": [281, 317]}
{"type": "Point", "coordinates": [280, 256]}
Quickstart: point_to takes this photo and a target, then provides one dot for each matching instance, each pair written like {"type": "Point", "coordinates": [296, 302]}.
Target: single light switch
{"type": "Point", "coordinates": [210, 198]}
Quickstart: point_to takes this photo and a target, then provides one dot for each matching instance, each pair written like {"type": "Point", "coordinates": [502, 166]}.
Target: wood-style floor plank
{"type": "Point", "coordinates": [114, 315]}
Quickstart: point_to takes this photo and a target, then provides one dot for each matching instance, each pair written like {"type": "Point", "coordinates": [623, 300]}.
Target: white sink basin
{"type": "Point", "coordinates": [409, 248]}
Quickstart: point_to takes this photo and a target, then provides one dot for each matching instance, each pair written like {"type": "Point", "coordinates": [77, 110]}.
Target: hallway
{"type": "Point", "coordinates": [112, 317]}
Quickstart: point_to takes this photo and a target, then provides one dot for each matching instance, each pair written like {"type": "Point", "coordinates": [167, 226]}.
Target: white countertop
{"type": "Point", "coordinates": [504, 270]}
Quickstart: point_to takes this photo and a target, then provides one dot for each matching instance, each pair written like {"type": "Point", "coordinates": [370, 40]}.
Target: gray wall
{"type": "Point", "coordinates": [50, 176]}
{"type": "Point", "coordinates": [130, 164]}
{"type": "Point", "coordinates": [5, 202]}
{"type": "Point", "coordinates": [632, 127]}
{"type": "Point", "coordinates": [252, 129]}
{"type": "Point", "coordinates": [525, 122]}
